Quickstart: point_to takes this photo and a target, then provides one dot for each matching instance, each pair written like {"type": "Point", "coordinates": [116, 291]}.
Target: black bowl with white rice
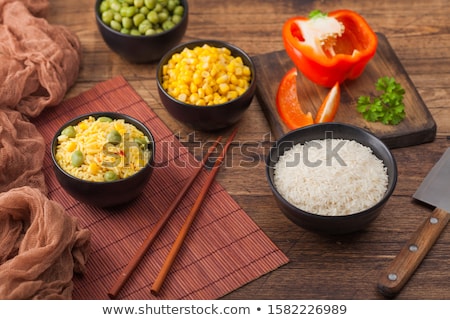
{"type": "Point", "coordinates": [331, 178]}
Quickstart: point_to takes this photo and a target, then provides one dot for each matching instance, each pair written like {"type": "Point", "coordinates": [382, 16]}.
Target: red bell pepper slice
{"type": "Point", "coordinates": [287, 103]}
{"type": "Point", "coordinates": [330, 48]}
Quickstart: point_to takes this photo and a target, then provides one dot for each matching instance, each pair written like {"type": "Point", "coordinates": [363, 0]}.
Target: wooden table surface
{"type": "Point", "coordinates": [320, 267]}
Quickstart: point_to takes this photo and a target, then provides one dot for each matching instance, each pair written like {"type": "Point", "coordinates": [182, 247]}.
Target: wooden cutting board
{"type": "Point", "coordinates": [418, 126]}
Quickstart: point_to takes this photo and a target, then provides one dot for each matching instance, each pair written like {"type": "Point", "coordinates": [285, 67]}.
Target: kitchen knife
{"type": "Point", "coordinates": [435, 191]}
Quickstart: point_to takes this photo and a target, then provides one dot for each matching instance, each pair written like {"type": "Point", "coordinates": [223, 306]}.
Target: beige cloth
{"type": "Point", "coordinates": [40, 247]}
{"type": "Point", "coordinates": [39, 62]}
{"type": "Point", "coordinates": [22, 150]}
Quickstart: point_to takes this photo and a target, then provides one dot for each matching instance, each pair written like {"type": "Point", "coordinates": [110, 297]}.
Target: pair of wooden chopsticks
{"type": "Point", "coordinates": [126, 273]}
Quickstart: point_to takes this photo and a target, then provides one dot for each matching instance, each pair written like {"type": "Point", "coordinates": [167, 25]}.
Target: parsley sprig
{"type": "Point", "coordinates": [388, 107]}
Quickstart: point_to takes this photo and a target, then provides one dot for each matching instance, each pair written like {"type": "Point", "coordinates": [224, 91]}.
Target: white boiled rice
{"type": "Point", "coordinates": [332, 177]}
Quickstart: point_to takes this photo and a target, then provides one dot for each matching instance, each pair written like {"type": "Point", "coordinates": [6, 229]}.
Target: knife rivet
{"type": "Point", "coordinates": [413, 248]}
{"type": "Point", "coordinates": [434, 220]}
{"type": "Point", "coordinates": [392, 276]}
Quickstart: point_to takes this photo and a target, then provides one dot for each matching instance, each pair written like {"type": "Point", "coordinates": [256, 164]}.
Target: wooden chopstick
{"type": "Point", "coordinates": [126, 273]}
{"type": "Point", "coordinates": [189, 220]}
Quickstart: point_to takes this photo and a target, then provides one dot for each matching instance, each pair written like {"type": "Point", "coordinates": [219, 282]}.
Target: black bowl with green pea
{"type": "Point", "coordinates": [112, 191]}
{"type": "Point", "coordinates": [141, 31]}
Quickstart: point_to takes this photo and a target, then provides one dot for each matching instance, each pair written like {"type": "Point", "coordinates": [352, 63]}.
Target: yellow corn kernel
{"type": "Point", "coordinates": [208, 99]}
{"type": "Point", "coordinates": [201, 93]}
{"type": "Point", "coordinates": [232, 95]}
{"type": "Point", "coordinates": [71, 146]}
{"type": "Point", "coordinates": [240, 90]}
{"type": "Point", "coordinates": [82, 125]}
{"type": "Point", "coordinates": [222, 79]}
{"type": "Point", "coordinates": [246, 71]}
{"type": "Point", "coordinates": [208, 90]}
{"type": "Point", "coordinates": [234, 79]}
{"type": "Point", "coordinates": [120, 127]}
{"type": "Point", "coordinates": [193, 88]}
{"type": "Point", "coordinates": [182, 97]}
{"type": "Point", "coordinates": [224, 88]}
{"type": "Point", "coordinates": [223, 100]}
{"type": "Point", "coordinates": [193, 98]}
{"type": "Point", "coordinates": [200, 102]}
{"type": "Point", "coordinates": [197, 78]}
{"type": "Point", "coordinates": [93, 168]}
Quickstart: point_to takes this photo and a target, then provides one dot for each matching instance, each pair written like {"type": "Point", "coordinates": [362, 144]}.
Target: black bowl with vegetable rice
{"type": "Point", "coordinates": [141, 31]}
{"type": "Point", "coordinates": [206, 84]}
{"type": "Point", "coordinates": [103, 159]}
{"type": "Point", "coordinates": [331, 178]}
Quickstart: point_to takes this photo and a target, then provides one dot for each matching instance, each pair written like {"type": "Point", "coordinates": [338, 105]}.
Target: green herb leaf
{"type": "Point", "coordinates": [317, 14]}
{"type": "Point", "coordinates": [388, 107]}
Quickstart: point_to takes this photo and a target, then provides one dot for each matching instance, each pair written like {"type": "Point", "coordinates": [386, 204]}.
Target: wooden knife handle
{"type": "Point", "coordinates": [411, 255]}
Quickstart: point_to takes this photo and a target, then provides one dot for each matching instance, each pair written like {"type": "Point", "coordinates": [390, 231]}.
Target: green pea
{"type": "Point", "coordinates": [116, 25]}
{"type": "Point", "coordinates": [144, 26]}
{"type": "Point", "coordinates": [144, 10]}
{"type": "Point", "coordinates": [115, 5]}
{"type": "Point", "coordinates": [117, 17]}
{"type": "Point", "coordinates": [176, 19]}
{"type": "Point", "coordinates": [142, 141]}
{"type": "Point", "coordinates": [171, 4]}
{"type": "Point", "coordinates": [163, 3]}
{"type": "Point", "coordinates": [110, 176]}
{"type": "Point", "coordinates": [77, 158]}
{"type": "Point", "coordinates": [107, 16]}
{"type": "Point", "coordinates": [150, 32]}
{"type": "Point", "coordinates": [138, 18]}
{"type": "Point", "coordinates": [150, 4]}
{"type": "Point", "coordinates": [178, 11]}
{"type": "Point", "coordinates": [114, 136]}
{"type": "Point", "coordinates": [104, 5]}
{"type": "Point", "coordinates": [153, 17]}
{"type": "Point", "coordinates": [104, 119]}
{"type": "Point", "coordinates": [127, 23]}
{"type": "Point", "coordinates": [128, 11]}
{"type": "Point", "coordinates": [135, 32]}
{"type": "Point", "coordinates": [168, 25]}
{"type": "Point", "coordinates": [158, 8]}
{"type": "Point", "coordinates": [125, 31]}
{"type": "Point", "coordinates": [138, 3]}
{"type": "Point", "coordinates": [69, 132]}
{"type": "Point", "coordinates": [163, 16]}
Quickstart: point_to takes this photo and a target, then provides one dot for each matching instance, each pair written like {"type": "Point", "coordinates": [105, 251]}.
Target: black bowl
{"type": "Point", "coordinates": [212, 117]}
{"type": "Point", "coordinates": [142, 49]}
{"type": "Point", "coordinates": [331, 224]}
{"type": "Point", "coordinates": [105, 194]}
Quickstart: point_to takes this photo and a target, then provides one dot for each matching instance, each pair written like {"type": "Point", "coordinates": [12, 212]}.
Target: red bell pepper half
{"type": "Point", "coordinates": [330, 48]}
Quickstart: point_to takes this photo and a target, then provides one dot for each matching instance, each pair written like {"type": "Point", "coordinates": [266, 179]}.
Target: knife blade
{"type": "Point", "coordinates": [435, 191]}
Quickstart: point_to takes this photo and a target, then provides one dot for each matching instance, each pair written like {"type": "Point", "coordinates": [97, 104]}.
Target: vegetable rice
{"type": "Point", "coordinates": [102, 149]}
{"type": "Point", "coordinates": [331, 177]}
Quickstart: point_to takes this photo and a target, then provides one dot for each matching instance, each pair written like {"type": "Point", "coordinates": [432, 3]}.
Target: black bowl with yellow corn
{"type": "Point", "coordinates": [206, 84]}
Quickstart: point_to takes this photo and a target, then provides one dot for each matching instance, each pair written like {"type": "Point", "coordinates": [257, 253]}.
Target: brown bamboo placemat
{"type": "Point", "coordinates": [224, 249]}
